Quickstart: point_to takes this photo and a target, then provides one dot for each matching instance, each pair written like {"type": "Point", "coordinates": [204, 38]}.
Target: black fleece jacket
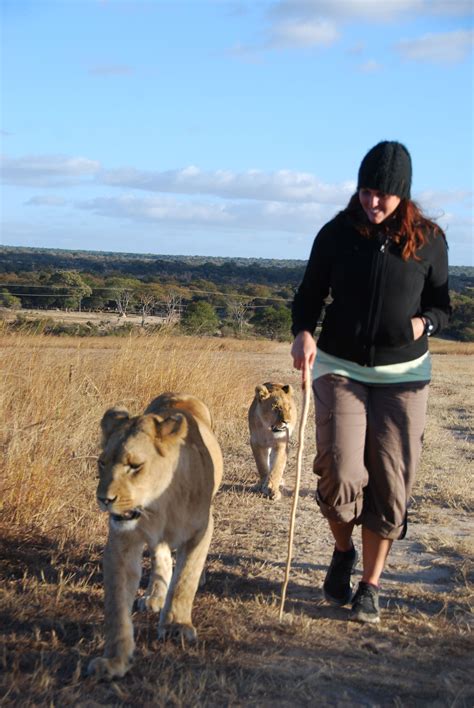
{"type": "Point", "coordinates": [374, 292]}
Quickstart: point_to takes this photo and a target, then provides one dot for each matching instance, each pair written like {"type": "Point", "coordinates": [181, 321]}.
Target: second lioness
{"type": "Point", "coordinates": [272, 419]}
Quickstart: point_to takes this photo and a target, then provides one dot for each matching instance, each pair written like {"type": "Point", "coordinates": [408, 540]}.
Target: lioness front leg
{"type": "Point", "coordinates": [175, 618]}
{"type": "Point", "coordinates": [160, 577]}
{"type": "Point", "coordinates": [277, 463]}
{"type": "Point", "coordinates": [261, 455]}
{"type": "Point", "coordinates": [122, 570]}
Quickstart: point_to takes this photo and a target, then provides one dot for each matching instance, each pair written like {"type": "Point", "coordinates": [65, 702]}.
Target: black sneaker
{"type": "Point", "coordinates": [365, 605]}
{"type": "Point", "coordinates": [337, 586]}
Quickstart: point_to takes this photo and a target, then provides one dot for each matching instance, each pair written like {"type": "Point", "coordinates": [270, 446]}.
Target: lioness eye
{"type": "Point", "coordinates": [135, 467]}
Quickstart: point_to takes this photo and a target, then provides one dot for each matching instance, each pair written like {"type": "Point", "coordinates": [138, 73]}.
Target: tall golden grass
{"type": "Point", "coordinates": [55, 391]}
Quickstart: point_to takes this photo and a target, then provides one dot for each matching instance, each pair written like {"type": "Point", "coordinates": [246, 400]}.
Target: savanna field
{"type": "Point", "coordinates": [54, 391]}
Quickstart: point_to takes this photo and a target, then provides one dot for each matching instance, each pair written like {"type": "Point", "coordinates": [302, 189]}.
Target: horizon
{"type": "Point", "coordinates": [175, 255]}
{"type": "Point", "coordinates": [226, 129]}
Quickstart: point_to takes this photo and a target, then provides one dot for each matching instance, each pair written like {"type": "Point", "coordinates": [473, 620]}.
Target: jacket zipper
{"type": "Point", "coordinates": [375, 307]}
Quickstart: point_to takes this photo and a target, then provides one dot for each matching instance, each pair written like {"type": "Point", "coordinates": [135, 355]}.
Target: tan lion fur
{"type": "Point", "coordinates": [158, 474]}
{"type": "Point", "coordinates": [272, 419]}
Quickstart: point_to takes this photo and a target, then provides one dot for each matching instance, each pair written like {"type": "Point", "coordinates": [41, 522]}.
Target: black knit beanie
{"type": "Point", "coordinates": [386, 168]}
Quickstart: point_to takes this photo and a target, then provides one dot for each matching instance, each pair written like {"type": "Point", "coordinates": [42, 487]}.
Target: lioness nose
{"type": "Point", "coordinates": [107, 500]}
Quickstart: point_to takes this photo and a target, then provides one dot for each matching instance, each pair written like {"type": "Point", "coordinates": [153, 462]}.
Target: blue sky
{"type": "Point", "coordinates": [226, 128]}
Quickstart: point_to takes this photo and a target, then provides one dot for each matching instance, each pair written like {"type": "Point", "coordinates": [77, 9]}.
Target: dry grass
{"type": "Point", "coordinates": [53, 394]}
{"type": "Point", "coordinates": [447, 346]}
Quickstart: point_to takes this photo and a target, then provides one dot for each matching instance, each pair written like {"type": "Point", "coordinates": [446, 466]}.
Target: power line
{"type": "Point", "coordinates": [131, 290]}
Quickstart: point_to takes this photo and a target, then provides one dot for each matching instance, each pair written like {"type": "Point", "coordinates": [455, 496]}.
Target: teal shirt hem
{"type": "Point", "coordinates": [415, 370]}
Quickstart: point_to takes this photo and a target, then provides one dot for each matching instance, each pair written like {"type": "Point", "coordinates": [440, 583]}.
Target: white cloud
{"type": "Point", "coordinates": [45, 201]}
{"type": "Point", "coordinates": [450, 7]}
{"type": "Point", "coordinates": [309, 33]}
{"type": "Point", "coordinates": [300, 24]}
{"type": "Point", "coordinates": [311, 23]}
{"type": "Point", "coordinates": [457, 221]}
{"type": "Point", "coordinates": [431, 199]}
{"type": "Point", "coordinates": [283, 185]}
{"type": "Point", "coordinates": [368, 10]}
{"type": "Point", "coordinates": [446, 47]}
{"type": "Point", "coordinates": [299, 218]}
{"type": "Point", "coordinates": [458, 232]}
{"type": "Point", "coordinates": [46, 170]}
{"type": "Point", "coordinates": [157, 209]}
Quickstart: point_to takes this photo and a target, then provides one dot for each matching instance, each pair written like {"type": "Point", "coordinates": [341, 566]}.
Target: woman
{"type": "Point", "coordinates": [385, 268]}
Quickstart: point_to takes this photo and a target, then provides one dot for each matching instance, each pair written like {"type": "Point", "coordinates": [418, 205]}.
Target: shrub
{"type": "Point", "coordinates": [274, 322]}
{"type": "Point", "coordinates": [200, 318]}
{"type": "Point", "coordinates": [8, 300]}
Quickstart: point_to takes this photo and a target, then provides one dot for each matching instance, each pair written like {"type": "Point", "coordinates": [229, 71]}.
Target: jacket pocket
{"type": "Point", "coordinates": [398, 334]}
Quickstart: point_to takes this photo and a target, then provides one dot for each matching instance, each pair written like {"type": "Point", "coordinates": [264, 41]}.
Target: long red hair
{"type": "Point", "coordinates": [407, 226]}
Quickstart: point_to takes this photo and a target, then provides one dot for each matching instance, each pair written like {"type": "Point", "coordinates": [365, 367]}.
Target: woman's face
{"type": "Point", "coordinates": [377, 205]}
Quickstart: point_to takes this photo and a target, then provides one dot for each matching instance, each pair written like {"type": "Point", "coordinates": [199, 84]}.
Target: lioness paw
{"type": "Point", "coordinates": [151, 603]}
{"type": "Point", "coordinates": [108, 669]}
{"type": "Point", "coordinates": [271, 493]}
{"type": "Point", "coordinates": [177, 631]}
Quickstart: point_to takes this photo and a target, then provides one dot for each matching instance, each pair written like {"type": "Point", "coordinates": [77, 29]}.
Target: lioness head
{"type": "Point", "coordinates": [276, 407]}
{"type": "Point", "coordinates": [137, 461]}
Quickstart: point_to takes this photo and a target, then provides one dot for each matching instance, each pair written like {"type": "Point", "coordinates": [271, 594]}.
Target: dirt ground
{"type": "Point", "coordinates": [421, 654]}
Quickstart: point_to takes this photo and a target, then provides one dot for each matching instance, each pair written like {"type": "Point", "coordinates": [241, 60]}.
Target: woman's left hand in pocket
{"type": "Point", "coordinates": [418, 327]}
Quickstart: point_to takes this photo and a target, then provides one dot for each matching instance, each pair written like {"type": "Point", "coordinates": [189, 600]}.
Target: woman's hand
{"type": "Point", "coordinates": [418, 326]}
{"type": "Point", "coordinates": [303, 352]}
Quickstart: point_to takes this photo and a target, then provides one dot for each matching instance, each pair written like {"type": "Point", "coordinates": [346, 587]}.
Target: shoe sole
{"type": "Point", "coordinates": [365, 619]}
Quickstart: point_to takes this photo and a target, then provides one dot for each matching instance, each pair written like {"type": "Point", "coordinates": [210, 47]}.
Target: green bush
{"type": "Point", "coordinates": [8, 300]}
{"type": "Point", "coordinates": [273, 322]}
{"type": "Point", "coordinates": [461, 325]}
{"type": "Point", "coordinates": [200, 318]}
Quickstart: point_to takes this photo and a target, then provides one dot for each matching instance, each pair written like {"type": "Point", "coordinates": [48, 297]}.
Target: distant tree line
{"type": "Point", "coordinates": [233, 296]}
{"type": "Point", "coordinates": [198, 308]}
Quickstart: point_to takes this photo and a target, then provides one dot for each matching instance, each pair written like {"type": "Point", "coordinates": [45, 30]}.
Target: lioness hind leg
{"type": "Point", "coordinates": [175, 618]}
{"type": "Point", "coordinates": [160, 576]}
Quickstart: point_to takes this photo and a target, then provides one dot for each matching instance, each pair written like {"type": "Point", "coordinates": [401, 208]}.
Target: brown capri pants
{"type": "Point", "coordinates": [369, 440]}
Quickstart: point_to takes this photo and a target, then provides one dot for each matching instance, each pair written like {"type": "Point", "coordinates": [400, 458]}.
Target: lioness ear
{"type": "Point", "coordinates": [287, 388]}
{"type": "Point", "coordinates": [171, 428]}
{"type": "Point", "coordinates": [261, 392]}
{"type": "Point", "coordinates": [113, 419]}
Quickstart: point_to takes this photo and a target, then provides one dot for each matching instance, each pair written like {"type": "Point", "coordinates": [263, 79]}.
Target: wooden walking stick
{"type": "Point", "coordinates": [299, 459]}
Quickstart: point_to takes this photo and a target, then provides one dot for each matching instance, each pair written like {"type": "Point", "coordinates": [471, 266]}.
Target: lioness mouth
{"type": "Point", "coordinates": [127, 516]}
{"type": "Point", "coordinates": [279, 428]}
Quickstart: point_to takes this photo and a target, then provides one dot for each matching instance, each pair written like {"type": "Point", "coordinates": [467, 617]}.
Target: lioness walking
{"type": "Point", "coordinates": [272, 419]}
{"type": "Point", "coordinates": [158, 474]}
